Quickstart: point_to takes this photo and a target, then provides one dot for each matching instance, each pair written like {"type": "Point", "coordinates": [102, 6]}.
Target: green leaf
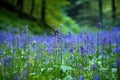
{"type": "Point", "coordinates": [103, 69]}
{"type": "Point", "coordinates": [68, 77]}
{"type": "Point", "coordinates": [90, 57]}
{"type": "Point", "coordinates": [114, 70]}
{"type": "Point", "coordinates": [65, 68]}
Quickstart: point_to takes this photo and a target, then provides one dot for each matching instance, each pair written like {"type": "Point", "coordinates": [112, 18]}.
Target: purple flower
{"type": "Point", "coordinates": [69, 34]}
{"type": "Point", "coordinates": [71, 57]}
{"type": "Point", "coordinates": [82, 50]}
{"type": "Point", "coordinates": [107, 27]}
{"type": "Point", "coordinates": [118, 62]}
{"type": "Point", "coordinates": [86, 37]}
{"type": "Point", "coordinates": [81, 77]}
{"type": "Point", "coordinates": [117, 40]}
{"type": "Point", "coordinates": [105, 39]}
{"type": "Point", "coordinates": [2, 37]}
{"type": "Point", "coordinates": [117, 50]}
{"type": "Point", "coordinates": [100, 24]}
{"type": "Point", "coordinates": [50, 49]}
{"type": "Point", "coordinates": [71, 50]}
{"type": "Point", "coordinates": [96, 77]}
{"type": "Point", "coordinates": [0, 51]}
{"type": "Point", "coordinates": [7, 61]}
{"type": "Point", "coordinates": [26, 37]}
{"type": "Point", "coordinates": [94, 67]}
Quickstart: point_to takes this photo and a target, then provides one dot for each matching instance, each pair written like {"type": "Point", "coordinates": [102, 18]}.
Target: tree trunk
{"type": "Point", "coordinates": [20, 5]}
{"type": "Point", "coordinates": [43, 13]}
{"type": "Point", "coordinates": [100, 10]}
{"type": "Point", "coordinates": [32, 7]}
{"type": "Point", "coordinates": [113, 10]}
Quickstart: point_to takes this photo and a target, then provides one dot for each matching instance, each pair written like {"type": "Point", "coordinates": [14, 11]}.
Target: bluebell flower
{"type": "Point", "coordinates": [26, 37]}
{"type": "Point", "coordinates": [118, 62]}
{"type": "Point", "coordinates": [117, 40]}
{"type": "Point", "coordinates": [7, 61]}
{"type": "Point", "coordinates": [0, 51]}
{"type": "Point", "coordinates": [71, 57]}
{"type": "Point", "coordinates": [107, 27]}
{"type": "Point", "coordinates": [96, 77]}
{"type": "Point", "coordinates": [86, 37]}
{"type": "Point", "coordinates": [71, 50]}
{"type": "Point", "coordinates": [74, 78]}
{"type": "Point", "coordinates": [115, 64]}
{"type": "Point", "coordinates": [82, 50]}
{"type": "Point", "coordinates": [50, 49]}
{"type": "Point", "coordinates": [104, 40]}
{"type": "Point", "coordinates": [81, 77]}
{"type": "Point", "coordinates": [16, 30]}
{"type": "Point", "coordinates": [117, 50]}
{"type": "Point", "coordinates": [94, 67]}
{"type": "Point", "coordinates": [69, 34]}
{"type": "Point", "coordinates": [2, 37]}
{"type": "Point", "coordinates": [100, 24]}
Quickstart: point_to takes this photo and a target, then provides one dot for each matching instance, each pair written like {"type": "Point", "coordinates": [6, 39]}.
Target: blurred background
{"type": "Point", "coordinates": [74, 15]}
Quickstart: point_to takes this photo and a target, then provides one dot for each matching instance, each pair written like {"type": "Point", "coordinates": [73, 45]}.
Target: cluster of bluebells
{"type": "Point", "coordinates": [85, 44]}
{"type": "Point", "coordinates": [7, 61]}
{"type": "Point", "coordinates": [96, 77]}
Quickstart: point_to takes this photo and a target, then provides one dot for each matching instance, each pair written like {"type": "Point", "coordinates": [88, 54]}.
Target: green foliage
{"type": "Point", "coordinates": [53, 10]}
{"type": "Point", "coordinates": [10, 20]}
